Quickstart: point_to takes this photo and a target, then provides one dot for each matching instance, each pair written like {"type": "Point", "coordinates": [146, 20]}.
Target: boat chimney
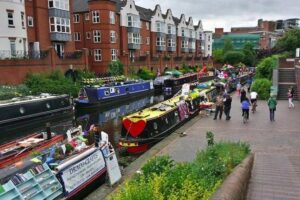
{"type": "Point", "coordinates": [48, 131]}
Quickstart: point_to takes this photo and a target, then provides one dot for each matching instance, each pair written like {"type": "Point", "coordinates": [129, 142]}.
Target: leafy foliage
{"type": "Point", "coordinates": [265, 67]}
{"type": "Point", "coordinates": [162, 179]}
{"type": "Point", "coordinates": [145, 74]}
{"type": "Point", "coordinates": [218, 55]}
{"type": "Point", "coordinates": [228, 46]}
{"type": "Point", "coordinates": [290, 41]}
{"type": "Point", "coordinates": [116, 68]}
{"type": "Point", "coordinates": [8, 92]}
{"type": "Point", "coordinates": [262, 87]}
{"type": "Point", "coordinates": [249, 54]}
{"type": "Point", "coordinates": [233, 57]}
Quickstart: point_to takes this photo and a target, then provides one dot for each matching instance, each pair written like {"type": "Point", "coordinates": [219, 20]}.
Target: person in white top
{"type": "Point", "coordinates": [253, 96]}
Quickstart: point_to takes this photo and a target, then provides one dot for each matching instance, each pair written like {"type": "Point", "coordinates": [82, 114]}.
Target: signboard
{"type": "Point", "coordinates": [113, 168]}
{"type": "Point", "coordinates": [78, 173]}
{"type": "Point", "coordinates": [185, 89]}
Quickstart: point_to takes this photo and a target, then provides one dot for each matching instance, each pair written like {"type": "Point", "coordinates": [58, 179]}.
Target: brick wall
{"type": "Point", "coordinates": [15, 71]}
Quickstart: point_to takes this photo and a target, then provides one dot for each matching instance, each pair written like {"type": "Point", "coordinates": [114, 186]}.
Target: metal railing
{"type": "Point", "coordinates": [22, 55]}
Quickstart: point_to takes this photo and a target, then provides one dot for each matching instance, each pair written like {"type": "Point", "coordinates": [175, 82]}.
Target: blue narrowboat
{"type": "Point", "coordinates": [90, 96]}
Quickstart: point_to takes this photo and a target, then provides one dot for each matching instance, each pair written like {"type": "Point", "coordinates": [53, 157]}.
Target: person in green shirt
{"type": "Point", "coordinates": [272, 107]}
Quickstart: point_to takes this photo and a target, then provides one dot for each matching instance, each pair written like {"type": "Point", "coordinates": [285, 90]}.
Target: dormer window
{"type": "Point", "coordinates": [130, 6]}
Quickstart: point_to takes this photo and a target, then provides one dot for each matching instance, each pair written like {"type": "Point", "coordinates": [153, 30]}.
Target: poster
{"type": "Point", "coordinates": [113, 168]}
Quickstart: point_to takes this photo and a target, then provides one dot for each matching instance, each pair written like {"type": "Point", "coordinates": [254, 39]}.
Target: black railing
{"type": "Point", "coordinates": [23, 55]}
{"type": "Point", "coordinates": [71, 55]}
{"type": "Point", "coordinates": [177, 58]}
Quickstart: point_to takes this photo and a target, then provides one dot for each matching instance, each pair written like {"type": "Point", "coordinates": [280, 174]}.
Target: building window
{"type": "Point", "coordinates": [98, 55]}
{"type": "Point", "coordinates": [77, 36]}
{"type": "Point", "coordinates": [59, 4]}
{"type": "Point", "coordinates": [184, 44]}
{"type": "Point", "coordinates": [131, 56]}
{"type": "Point", "coordinates": [76, 18]}
{"type": "Point", "coordinates": [147, 25]}
{"type": "Point", "coordinates": [30, 21]}
{"type": "Point", "coordinates": [10, 18]}
{"type": "Point", "coordinates": [160, 41]}
{"type": "Point", "coordinates": [171, 43]}
{"type": "Point", "coordinates": [182, 32]}
{"type": "Point", "coordinates": [97, 36]}
{"type": "Point", "coordinates": [13, 51]}
{"type": "Point", "coordinates": [208, 38]}
{"type": "Point", "coordinates": [88, 35]}
{"type": "Point", "coordinates": [87, 16]}
{"type": "Point", "coordinates": [113, 54]}
{"type": "Point", "coordinates": [96, 16]}
{"type": "Point", "coordinates": [208, 47]}
{"type": "Point", "coordinates": [61, 25]}
{"type": "Point", "coordinates": [23, 19]}
{"type": "Point", "coordinates": [133, 38]}
{"type": "Point", "coordinates": [112, 19]}
{"type": "Point", "coordinates": [113, 36]}
{"type": "Point", "coordinates": [133, 21]}
{"type": "Point", "coordinates": [160, 27]}
{"type": "Point", "coordinates": [148, 40]}
{"type": "Point", "coordinates": [192, 45]}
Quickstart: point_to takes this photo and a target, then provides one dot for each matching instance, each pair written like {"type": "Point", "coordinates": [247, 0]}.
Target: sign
{"type": "Point", "coordinates": [75, 175]}
{"type": "Point", "coordinates": [113, 168]}
{"type": "Point", "coordinates": [185, 89]}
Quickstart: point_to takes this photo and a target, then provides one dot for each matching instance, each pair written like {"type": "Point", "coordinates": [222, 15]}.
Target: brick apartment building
{"type": "Point", "coordinates": [115, 29]}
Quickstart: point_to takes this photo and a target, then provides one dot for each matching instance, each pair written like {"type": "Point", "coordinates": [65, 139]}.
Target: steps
{"type": "Point", "coordinates": [287, 75]}
{"type": "Point", "coordinates": [286, 79]}
{"type": "Point", "coordinates": [283, 90]}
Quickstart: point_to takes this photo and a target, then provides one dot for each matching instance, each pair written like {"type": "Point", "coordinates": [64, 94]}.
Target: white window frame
{"type": "Point", "coordinates": [12, 45]}
{"type": "Point", "coordinates": [112, 18]}
{"type": "Point", "coordinates": [87, 16]}
{"type": "Point", "coordinates": [182, 32]}
{"type": "Point", "coordinates": [113, 38]}
{"type": "Point", "coordinates": [10, 19]}
{"type": "Point", "coordinates": [59, 25]}
{"type": "Point", "coordinates": [134, 38]}
{"type": "Point", "coordinates": [76, 18]}
{"type": "Point", "coordinates": [192, 45]}
{"type": "Point", "coordinates": [96, 16]}
{"type": "Point", "coordinates": [77, 36]}
{"type": "Point", "coordinates": [97, 36]}
{"type": "Point", "coordinates": [185, 44]}
{"type": "Point", "coordinates": [160, 41]}
{"type": "Point", "coordinates": [23, 20]}
{"type": "Point", "coordinates": [114, 54]}
{"type": "Point", "coordinates": [88, 35]}
{"type": "Point", "coordinates": [171, 43]}
{"type": "Point", "coordinates": [147, 25]}
{"type": "Point", "coordinates": [30, 21]}
{"type": "Point", "coordinates": [158, 26]}
{"type": "Point", "coordinates": [97, 55]}
{"type": "Point", "coordinates": [133, 21]}
{"type": "Point", "coordinates": [148, 40]}
{"type": "Point", "coordinates": [59, 4]}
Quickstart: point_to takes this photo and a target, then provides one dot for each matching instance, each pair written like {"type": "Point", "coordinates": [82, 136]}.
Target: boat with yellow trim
{"type": "Point", "coordinates": [152, 124]}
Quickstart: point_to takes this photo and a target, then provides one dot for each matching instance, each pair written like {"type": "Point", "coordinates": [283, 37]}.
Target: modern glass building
{"type": "Point", "coordinates": [238, 40]}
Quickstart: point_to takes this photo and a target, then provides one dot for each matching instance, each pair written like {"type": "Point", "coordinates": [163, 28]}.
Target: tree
{"type": "Point", "coordinates": [290, 41]}
{"type": "Point", "coordinates": [218, 55]}
{"type": "Point", "coordinates": [228, 46]}
{"type": "Point", "coordinates": [262, 86]}
{"type": "Point", "coordinates": [265, 67]}
{"type": "Point", "coordinates": [249, 52]}
{"type": "Point", "coordinates": [116, 68]}
{"type": "Point", "coordinates": [233, 57]}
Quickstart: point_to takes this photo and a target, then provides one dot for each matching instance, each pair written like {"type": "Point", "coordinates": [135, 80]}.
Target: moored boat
{"type": "Point", "coordinates": [174, 84]}
{"type": "Point", "coordinates": [112, 93]}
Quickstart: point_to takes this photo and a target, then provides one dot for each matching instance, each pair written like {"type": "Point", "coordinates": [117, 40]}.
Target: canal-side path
{"type": "Point", "coordinates": [276, 146]}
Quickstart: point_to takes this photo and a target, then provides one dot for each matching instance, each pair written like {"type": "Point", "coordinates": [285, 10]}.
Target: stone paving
{"type": "Point", "coordinates": [276, 171]}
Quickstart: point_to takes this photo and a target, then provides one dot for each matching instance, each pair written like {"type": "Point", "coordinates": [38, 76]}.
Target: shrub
{"type": "Point", "coordinates": [162, 179]}
{"type": "Point", "coordinates": [145, 74]}
{"type": "Point", "coordinates": [115, 68]}
{"type": "Point", "coordinates": [262, 87]}
{"type": "Point", "coordinates": [265, 67]}
{"type": "Point", "coordinates": [8, 92]}
{"type": "Point", "coordinates": [233, 57]}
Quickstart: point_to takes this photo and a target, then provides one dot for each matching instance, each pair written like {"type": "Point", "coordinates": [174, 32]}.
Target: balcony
{"type": "Point", "coordinates": [184, 50]}
{"type": "Point", "coordinates": [160, 34]}
{"type": "Point", "coordinates": [192, 39]}
{"type": "Point", "coordinates": [54, 12]}
{"type": "Point", "coordinates": [133, 30]}
{"type": "Point", "coordinates": [62, 37]}
{"type": "Point", "coordinates": [172, 49]}
{"type": "Point", "coordinates": [160, 48]}
{"type": "Point", "coordinates": [133, 46]}
{"type": "Point", "coordinates": [192, 50]}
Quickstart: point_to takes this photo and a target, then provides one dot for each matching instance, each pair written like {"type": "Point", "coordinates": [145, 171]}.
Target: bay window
{"type": "Point", "coordinates": [160, 41]}
{"type": "Point", "coordinates": [133, 21]}
{"type": "Point", "coordinates": [134, 38]}
{"type": "Point", "coordinates": [61, 25]}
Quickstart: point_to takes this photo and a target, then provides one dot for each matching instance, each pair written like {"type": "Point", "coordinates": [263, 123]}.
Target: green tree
{"type": "Point", "coordinates": [262, 87]}
{"type": "Point", "coordinates": [249, 52]}
{"type": "Point", "coordinates": [228, 46]}
{"type": "Point", "coordinates": [290, 41]}
{"type": "Point", "coordinates": [218, 55]}
{"type": "Point", "coordinates": [233, 57]}
{"type": "Point", "coordinates": [265, 67]}
{"type": "Point", "coordinates": [116, 68]}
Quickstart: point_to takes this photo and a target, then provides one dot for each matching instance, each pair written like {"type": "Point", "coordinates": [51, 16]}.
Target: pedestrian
{"type": "Point", "coordinates": [290, 97]}
{"type": "Point", "coordinates": [238, 88]}
{"type": "Point", "coordinates": [272, 107]}
{"type": "Point", "coordinates": [219, 106]}
{"type": "Point", "coordinates": [245, 107]}
{"type": "Point", "coordinates": [243, 94]}
{"type": "Point", "coordinates": [227, 106]}
{"type": "Point", "coordinates": [249, 83]}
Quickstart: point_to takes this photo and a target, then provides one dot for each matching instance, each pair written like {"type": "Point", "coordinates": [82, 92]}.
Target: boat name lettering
{"type": "Point", "coordinates": [82, 164]}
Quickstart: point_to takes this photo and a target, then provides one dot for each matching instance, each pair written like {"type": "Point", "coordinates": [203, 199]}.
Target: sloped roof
{"type": "Point", "coordinates": [145, 14]}
{"type": "Point", "coordinates": [80, 6]}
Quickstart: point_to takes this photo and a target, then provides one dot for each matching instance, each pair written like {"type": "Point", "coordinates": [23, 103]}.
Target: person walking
{"type": "Point", "coordinates": [238, 88]}
{"type": "Point", "coordinates": [227, 106]}
{"type": "Point", "coordinates": [290, 97]}
{"type": "Point", "coordinates": [272, 107]}
{"type": "Point", "coordinates": [243, 95]}
{"type": "Point", "coordinates": [245, 107]}
{"type": "Point", "coordinates": [219, 106]}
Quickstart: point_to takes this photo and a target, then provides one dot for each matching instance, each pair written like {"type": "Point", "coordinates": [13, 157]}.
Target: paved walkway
{"type": "Point", "coordinates": [276, 172]}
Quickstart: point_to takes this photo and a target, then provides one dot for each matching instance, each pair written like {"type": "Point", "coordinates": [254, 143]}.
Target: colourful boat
{"type": "Point", "coordinates": [112, 93]}
{"type": "Point", "coordinates": [152, 124]}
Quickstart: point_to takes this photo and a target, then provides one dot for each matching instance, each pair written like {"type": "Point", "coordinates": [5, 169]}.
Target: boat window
{"type": "Point", "coordinates": [22, 110]}
{"type": "Point", "coordinates": [48, 105]}
{"type": "Point", "coordinates": [154, 125]}
{"type": "Point", "coordinates": [62, 103]}
{"type": "Point", "coordinates": [118, 90]}
{"type": "Point", "coordinates": [127, 89]}
{"type": "Point", "coordinates": [106, 92]}
{"type": "Point", "coordinates": [167, 121]}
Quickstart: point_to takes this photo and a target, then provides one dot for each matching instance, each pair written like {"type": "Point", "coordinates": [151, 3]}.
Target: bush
{"type": "Point", "coordinates": [145, 74]}
{"type": "Point", "coordinates": [265, 67]}
{"type": "Point", "coordinates": [8, 92]}
{"type": "Point", "coordinates": [233, 57]}
{"type": "Point", "coordinates": [115, 68]}
{"type": "Point", "coordinates": [162, 179]}
{"type": "Point", "coordinates": [262, 87]}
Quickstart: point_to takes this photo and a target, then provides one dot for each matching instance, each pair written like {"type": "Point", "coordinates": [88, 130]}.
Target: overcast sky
{"type": "Point", "coordinates": [228, 13]}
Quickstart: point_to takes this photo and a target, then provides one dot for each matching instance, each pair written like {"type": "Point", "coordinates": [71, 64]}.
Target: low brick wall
{"type": "Point", "coordinates": [236, 184]}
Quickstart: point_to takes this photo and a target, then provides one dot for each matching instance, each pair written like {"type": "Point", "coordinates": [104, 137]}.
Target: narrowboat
{"type": "Point", "coordinates": [112, 93]}
{"type": "Point", "coordinates": [31, 107]}
{"type": "Point", "coordinates": [143, 128]}
{"type": "Point", "coordinates": [19, 149]}
{"type": "Point", "coordinates": [174, 84]}
{"type": "Point", "coordinates": [66, 170]}
{"type": "Point", "coordinates": [160, 81]}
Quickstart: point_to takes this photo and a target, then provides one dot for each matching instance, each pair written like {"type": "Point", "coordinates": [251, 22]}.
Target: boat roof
{"type": "Point", "coordinates": [118, 84]}
{"type": "Point", "coordinates": [28, 99]}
